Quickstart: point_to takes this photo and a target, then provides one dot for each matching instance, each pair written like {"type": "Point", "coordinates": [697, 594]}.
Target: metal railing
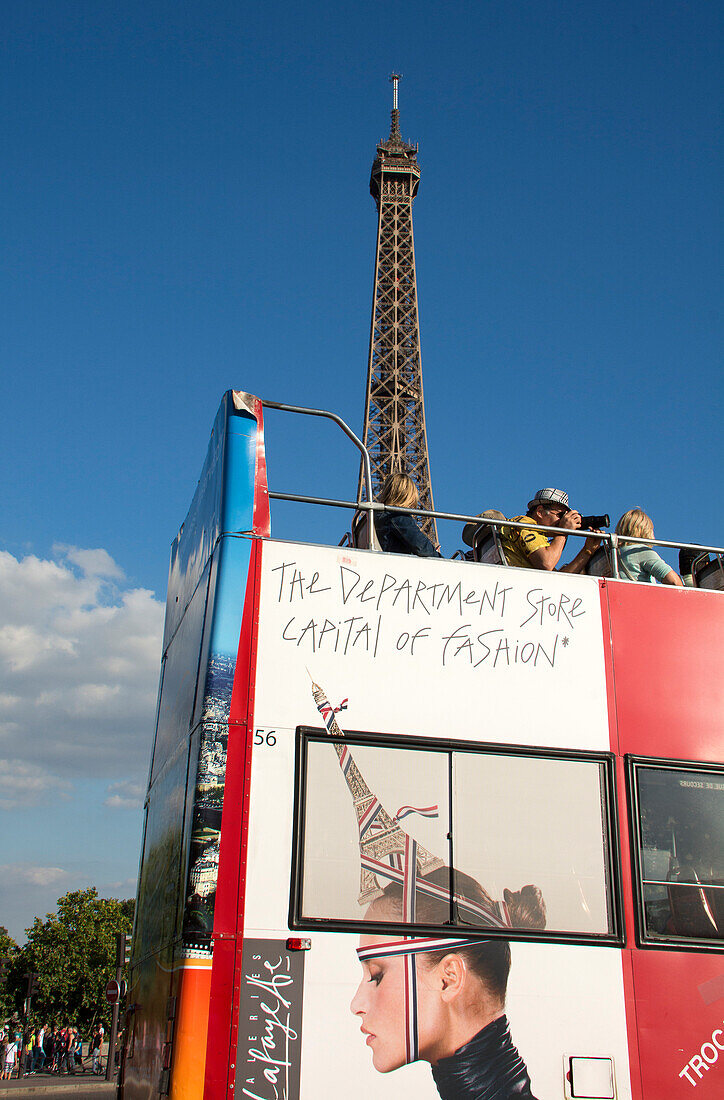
{"type": "Point", "coordinates": [366, 505]}
{"type": "Point", "coordinates": [369, 506]}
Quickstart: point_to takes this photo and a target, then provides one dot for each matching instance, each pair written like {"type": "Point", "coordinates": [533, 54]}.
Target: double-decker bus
{"type": "Point", "coordinates": [420, 827]}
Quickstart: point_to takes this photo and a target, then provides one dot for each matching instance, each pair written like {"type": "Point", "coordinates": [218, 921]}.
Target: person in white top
{"type": "Point", "coordinates": [11, 1051]}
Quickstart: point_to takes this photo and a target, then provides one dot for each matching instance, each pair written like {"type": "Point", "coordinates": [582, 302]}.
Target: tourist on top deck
{"type": "Point", "coordinates": [533, 549]}
{"type": "Point", "coordinates": [400, 534]}
{"type": "Point", "coordinates": [642, 563]}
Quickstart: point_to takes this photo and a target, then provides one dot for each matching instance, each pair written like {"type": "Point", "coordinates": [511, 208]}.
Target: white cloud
{"type": "Point", "coordinates": [125, 796]}
{"type": "Point", "coordinates": [32, 876]}
{"type": "Point", "coordinates": [23, 783]}
{"type": "Point", "coordinates": [79, 661]}
{"type": "Point", "coordinates": [124, 888]}
{"type": "Point", "coordinates": [94, 563]}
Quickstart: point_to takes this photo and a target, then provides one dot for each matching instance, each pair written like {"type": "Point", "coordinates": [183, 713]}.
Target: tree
{"type": "Point", "coordinates": [8, 955]}
{"type": "Point", "coordinates": [74, 953]}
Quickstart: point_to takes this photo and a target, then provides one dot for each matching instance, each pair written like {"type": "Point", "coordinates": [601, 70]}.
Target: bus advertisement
{"type": "Point", "coordinates": [423, 827]}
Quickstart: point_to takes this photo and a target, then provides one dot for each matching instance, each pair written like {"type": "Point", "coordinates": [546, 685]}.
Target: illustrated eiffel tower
{"type": "Point", "coordinates": [381, 838]}
{"type": "Point", "coordinates": [394, 424]}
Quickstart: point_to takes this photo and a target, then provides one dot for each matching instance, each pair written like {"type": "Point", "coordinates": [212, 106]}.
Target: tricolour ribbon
{"type": "Point", "coordinates": [402, 863]}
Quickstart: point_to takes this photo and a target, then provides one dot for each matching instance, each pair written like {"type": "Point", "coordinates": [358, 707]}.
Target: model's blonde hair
{"type": "Point", "coordinates": [636, 523]}
{"type": "Point", "coordinates": [399, 490]}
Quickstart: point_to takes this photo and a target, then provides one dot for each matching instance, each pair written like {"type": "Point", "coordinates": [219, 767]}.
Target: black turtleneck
{"type": "Point", "coordinates": [487, 1068]}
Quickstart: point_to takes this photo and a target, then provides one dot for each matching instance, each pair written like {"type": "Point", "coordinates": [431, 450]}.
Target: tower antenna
{"type": "Point", "coordinates": [395, 120]}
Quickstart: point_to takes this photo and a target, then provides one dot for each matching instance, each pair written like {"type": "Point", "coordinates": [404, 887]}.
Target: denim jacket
{"type": "Point", "coordinates": [401, 535]}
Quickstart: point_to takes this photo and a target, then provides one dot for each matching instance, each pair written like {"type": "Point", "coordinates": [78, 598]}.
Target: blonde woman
{"type": "Point", "coordinates": [399, 534]}
{"type": "Point", "coordinates": [642, 563]}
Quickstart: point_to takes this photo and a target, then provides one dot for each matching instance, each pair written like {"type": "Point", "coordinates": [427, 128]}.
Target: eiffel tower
{"type": "Point", "coordinates": [394, 424]}
{"type": "Point", "coordinates": [381, 839]}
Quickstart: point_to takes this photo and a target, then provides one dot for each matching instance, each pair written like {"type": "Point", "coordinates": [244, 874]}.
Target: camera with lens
{"type": "Point", "coordinates": [588, 523]}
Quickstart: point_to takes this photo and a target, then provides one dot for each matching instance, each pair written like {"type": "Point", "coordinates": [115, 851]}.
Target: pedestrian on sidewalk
{"type": "Point", "coordinates": [96, 1044]}
{"type": "Point", "coordinates": [38, 1051]}
{"type": "Point", "coordinates": [11, 1050]}
{"type": "Point", "coordinates": [27, 1059]}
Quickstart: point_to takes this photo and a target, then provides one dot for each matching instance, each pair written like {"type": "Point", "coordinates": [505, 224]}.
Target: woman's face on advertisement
{"type": "Point", "coordinates": [380, 1005]}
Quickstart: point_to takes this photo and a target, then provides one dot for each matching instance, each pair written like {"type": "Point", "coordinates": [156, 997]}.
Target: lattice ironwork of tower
{"type": "Point", "coordinates": [394, 424]}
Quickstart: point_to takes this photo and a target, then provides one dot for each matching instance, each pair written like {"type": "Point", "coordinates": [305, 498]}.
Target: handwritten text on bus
{"type": "Point", "coordinates": [341, 610]}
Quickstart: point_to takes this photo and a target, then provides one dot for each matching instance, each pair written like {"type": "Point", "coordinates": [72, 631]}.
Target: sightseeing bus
{"type": "Point", "coordinates": [413, 823]}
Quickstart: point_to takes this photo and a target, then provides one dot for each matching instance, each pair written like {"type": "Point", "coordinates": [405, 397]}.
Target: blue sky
{"type": "Point", "coordinates": [186, 209]}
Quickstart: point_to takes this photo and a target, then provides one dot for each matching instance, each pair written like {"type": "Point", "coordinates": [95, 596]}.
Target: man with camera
{"type": "Point", "coordinates": [534, 550]}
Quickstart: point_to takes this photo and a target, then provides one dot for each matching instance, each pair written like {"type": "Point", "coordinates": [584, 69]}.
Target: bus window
{"type": "Point", "coordinates": [679, 811]}
{"type": "Point", "coordinates": [355, 791]}
{"type": "Point", "coordinates": [446, 836]}
{"type": "Point", "coordinates": [534, 831]}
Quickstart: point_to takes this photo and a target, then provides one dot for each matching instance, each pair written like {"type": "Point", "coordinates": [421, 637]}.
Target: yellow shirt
{"type": "Point", "coordinates": [519, 544]}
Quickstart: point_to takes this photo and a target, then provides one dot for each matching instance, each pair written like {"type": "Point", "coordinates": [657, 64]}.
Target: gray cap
{"type": "Point", "coordinates": [550, 496]}
{"type": "Point", "coordinates": [470, 529]}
